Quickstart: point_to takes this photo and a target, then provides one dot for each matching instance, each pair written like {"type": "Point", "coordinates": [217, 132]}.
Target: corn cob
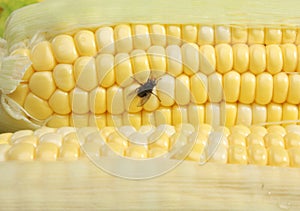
{"type": "Point", "coordinates": [275, 146]}
{"type": "Point", "coordinates": [232, 75]}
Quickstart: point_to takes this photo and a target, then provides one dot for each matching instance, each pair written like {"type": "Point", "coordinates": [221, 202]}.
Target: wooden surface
{"type": "Point", "coordinates": [80, 185]}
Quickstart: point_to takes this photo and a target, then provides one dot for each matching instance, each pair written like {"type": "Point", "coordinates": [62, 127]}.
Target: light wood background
{"type": "Point", "coordinates": [80, 185]}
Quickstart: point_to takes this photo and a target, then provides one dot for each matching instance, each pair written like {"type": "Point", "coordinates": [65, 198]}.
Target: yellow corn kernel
{"type": "Point", "coordinates": [64, 49]}
{"type": "Point", "coordinates": [134, 119]}
{"type": "Point", "coordinates": [158, 35]}
{"type": "Point", "coordinates": [117, 137]}
{"type": "Point", "coordinates": [235, 139]}
{"type": "Point", "coordinates": [131, 101]}
{"type": "Point", "coordinates": [166, 90]}
{"type": "Point", "coordinates": [247, 89]}
{"type": "Point", "coordinates": [274, 59]}
{"type": "Point", "coordinates": [115, 147]}
{"type": "Point", "coordinates": [30, 139]}
{"type": "Point", "coordinates": [97, 120]}
{"type": "Point", "coordinates": [244, 114]}
{"type": "Point", "coordinates": [277, 129]}
{"type": "Point", "coordinates": [189, 33]}
{"type": "Point", "coordinates": [28, 73]}
{"type": "Point", "coordinates": [85, 43]}
{"type": "Point", "coordinates": [205, 129]}
{"type": "Point", "coordinates": [224, 58]}
{"type": "Point", "coordinates": [199, 85]}
{"type": "Point", "coordinates": [105, 39]}
{"type": "Point", "coordinates": [162, 141]}
{"type": "Point", "coordinates": [3, 151]}
{"type": "Point", "coordinates": [264, 88]}
{"type": "Point", "coordinates": [105, 70]}
{"type": "Point", "coordinates": [174, 60]}
{"type": "Point", "coordinates": [289, 53]}
{"type": "Point", "coordinates": [293, 96]}
{"type": "Point", "coordinates": [278, 156]}
{"type": "Point", "coordinates": [106, 131]}
{"type": "Point", "coordinates": [280, 87]}
{"type": "Point", "coordinates": [54, 138]}
{"type": "Point", "coordinates": [123, 38]}
{"type": "Point", "coordinates": [196, 114]}
{"type": "Point", "coordinates": [140, 65]}
{"type": "Point", "coordinates": [207, 60]}
{"type": "Point", "coordinates": [190, 58]}
{"type": "Point", "coordinates": [222, 34]}
{"type": "Point", "coordinates": [196, 152]}
{"type": "Point", "coordinates": [44, 130]}
{"type": "Point", "coordinates": [289, 35]}
{"type": "Point", "coordinates": [273, 36]}
{"type": "Point", "coordinates": [63, 77]}
{"type": "Point", "coordinates": [19, 134]}
{"type": "Point", "coordinates": [213, 114]}
{"type": "Point", "coordinates": [42, 57]}
{"type": "Point", "coordinates": [58, 121]}
{"type": "Point", "coordinates": [79, 100]}
{"type": "Point", "coordinates": [37, 107]}
{"type": "Point", "coordinates": [59, 102]}
{"type": "Point", "coordinates": [257, 58]}
{"type": "Point", "coordinates": [163, 115]}
{"type": "Point", "coordinates": [114, 100]}
{"type": "Point", "coordinates": [239, 34]}
{"type": "Point", "coordinates": [85, 70]}
{"type": "Point", "coordinates": [152, 103]}
{"type": "Point", "coordinates": [19, 95]}
{"type": "Point", "coordinates": [215, 89]}
{"type": "Point", "coordinates": [148, 118]}
{"type": "Point", "coordinates": [5, 137]}
{"type": "Point", "coordinates": [179, 115]}
{"type": "Point", "coordinates": [123, 69]}
{"type": "Point", "coordinates": [141, 38]}
{"type": "Point", "coordinates": [237, 154]}
{"type": "Point", "coordinates": [259, 113]}
{"type": "Point", "coordinates": [69, 151]}
{"type": "Point", "coordinates": [47, 152]}
{"type": "Point", "coordinates": [274, 112]}
{"type": "Point", "coordinates": [228, 114]}
{"type": "Point", "coordinates": [157, 60]}
{"type": "Point", "coordinates": [292, 140]}
{"type": "Point", "coordinates": [21, 152]}
{"type": "Point", "coordinates": [42, 84]}
{"type": "Point", "coordinates": [289, 112]}
{"type": "Point", "coordinates": [71, 137]}
{"type": "Point", "coordinates": [254, 139]}
{"type": "Point", "coordinates": [240, 57]}
{"type": "Point", "coordinates": [173, 35]}
{"type": "Point", "coordinates": [260, 130]}
{"type": "Point", "coordinates": [231, 84]}
{"type": "Point", "coordinates": [206, 35]}
{"type": "Point", "coordinates": [220, 155]}
{"type": "Point", "coordinates": [294, 156]}
{"type": "Point", "coordinates": [97, 100]}
{"type": "Point", "coordinates": [257, 155]}
{"type": "Point", "coordinates": [293, 128]}
{"type": "Point", "coordinates": [79, 120]}
{"type": "Point", "coordinates": [273, 139]}
{"type": "Point", "coordinates": [256, 36]}
{"type": "Point", "coordinates": [137, 152]}
{"type": "Point", "coordinates": [182, 90]}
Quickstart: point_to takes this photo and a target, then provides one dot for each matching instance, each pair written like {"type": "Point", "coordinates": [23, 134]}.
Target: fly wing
{"type": "Point", "coordinates": [144, 100]}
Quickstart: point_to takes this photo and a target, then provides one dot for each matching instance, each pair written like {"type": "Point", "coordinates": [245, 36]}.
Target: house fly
{"type": "Point", "coordinates": [146, 90]}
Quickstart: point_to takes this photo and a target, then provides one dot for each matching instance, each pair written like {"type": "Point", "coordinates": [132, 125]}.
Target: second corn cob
{"type": "Point", "coordinates": [215, 74]}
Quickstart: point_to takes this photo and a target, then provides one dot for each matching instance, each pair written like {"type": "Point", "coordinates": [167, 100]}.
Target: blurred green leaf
{"type": "Point", "coordinates": [7, 7]}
